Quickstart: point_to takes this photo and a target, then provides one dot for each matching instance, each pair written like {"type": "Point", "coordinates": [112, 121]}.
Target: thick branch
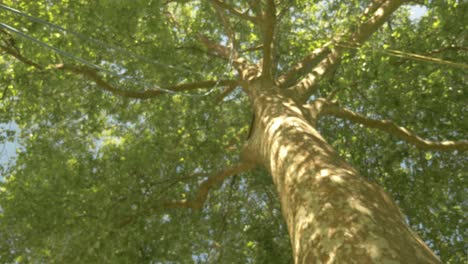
{"type": "Point", "coordinates": [213, 47]}
{"type": "Point", "coordinates": [202, 193]}
{"type": "Point", "coordinates": [268, 28]}
{"type": "Point", "coordinates": [382, 9]}
{"type": "Point", "coordinates": [305, 65]}
{"type": "Point", "coordinates": [245, 69]}
{"type": "Point", "coordinates": [393, 129]}
{"type": "Point", "coordinates": [371, 8]}
{"type": "Point", "coordinates": [234, 11]}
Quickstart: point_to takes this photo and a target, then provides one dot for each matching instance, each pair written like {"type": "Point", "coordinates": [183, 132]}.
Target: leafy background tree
{"type": "Point", "coordinates": [98, 168]}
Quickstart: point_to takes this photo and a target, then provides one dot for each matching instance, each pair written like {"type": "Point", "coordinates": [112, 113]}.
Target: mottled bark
{"type": "Point", "coordinates": [333, 214]}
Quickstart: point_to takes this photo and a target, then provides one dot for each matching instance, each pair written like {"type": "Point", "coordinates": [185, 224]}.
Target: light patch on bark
{"type": "Point", "coordinates": [292, 106]}
{"type": "Point", "coordinates": [276, 124]}
{"type": "Point", "coordinates": [374, 245]}
{"type": "Point", "coordinates": [337, 179]}
{"type": "Point", "coordinates": [356, 204]}
{"type": "Point", "coordinates": [302, 174]}
{"type": "Point", "coordinates": [283, 152]}
{"type": "Point", "coordinates": [333, 214]}
{"type": "Point", "coordinates": [320, 70]}
{"type": "Point", "coordinates": [380, 12]}
{"type": "Point", "coordinates": [324, 173]}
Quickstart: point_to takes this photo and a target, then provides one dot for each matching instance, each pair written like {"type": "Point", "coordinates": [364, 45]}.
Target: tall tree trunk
{"type": "Point", "coordinates": [333, 214]}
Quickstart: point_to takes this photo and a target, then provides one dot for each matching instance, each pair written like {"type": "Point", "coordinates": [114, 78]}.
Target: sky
{"type": "Point", "coordinates": [8, 150]}
{"type": "Point", "coordinates": [417, 11]}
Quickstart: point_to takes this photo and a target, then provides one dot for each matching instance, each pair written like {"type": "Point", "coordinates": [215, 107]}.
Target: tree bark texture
{"type": "Point", "coordinates": [333, 214]}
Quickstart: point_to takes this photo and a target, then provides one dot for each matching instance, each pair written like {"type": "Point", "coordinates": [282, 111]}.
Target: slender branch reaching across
{"type": "Point", "coordinates": [8, 40]}
{"type": "Point", "coordinates": [213, 47]}
{"type": "Point", "coordinates": [242, 65]}
{"type": "Point", "coordinates": [245, 69]}
{"type": "Point", "coordinates": [448, 48]}
{"type": "Point", "coordinates": [395, 130]}
{"type": "Point", "coordinates": [199, 200]}
{"type": "Point", "coordinates": [226, 92]}
{"type": "Point", "coordinates": [200, 197]}
{"type": "Point", "coordinates": [202, 51]}
{"type": "Point", "coordinates": [256, 48]}
{"type": "Point", "coordinates": [256, 7]}
{"type": "Point", "coordinates": [226, 25]}
{"type": "Point", "coordinates": [285, 9]}
{"type": "Point", "coordinates": [382, 9]}
{"type": "Point", "coordinates": [409, 56]}
{"type": "Point", "coordinates": [418, 57]}
{"type": "Point", "coordinates": [20, 57]}
{"type": "Point", "coordinates": [93, 75]}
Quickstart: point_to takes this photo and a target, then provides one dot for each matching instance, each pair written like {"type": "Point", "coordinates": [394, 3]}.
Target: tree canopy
{"type": "Point", "coordinates": [131, 118]}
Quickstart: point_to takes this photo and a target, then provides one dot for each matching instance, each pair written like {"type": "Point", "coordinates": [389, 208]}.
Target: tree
{"type": "Point", "coordinates": [138, 143]}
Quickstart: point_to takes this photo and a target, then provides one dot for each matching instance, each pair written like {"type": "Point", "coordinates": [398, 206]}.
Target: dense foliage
{"type": "Point", "coordinates": [94, 167]}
